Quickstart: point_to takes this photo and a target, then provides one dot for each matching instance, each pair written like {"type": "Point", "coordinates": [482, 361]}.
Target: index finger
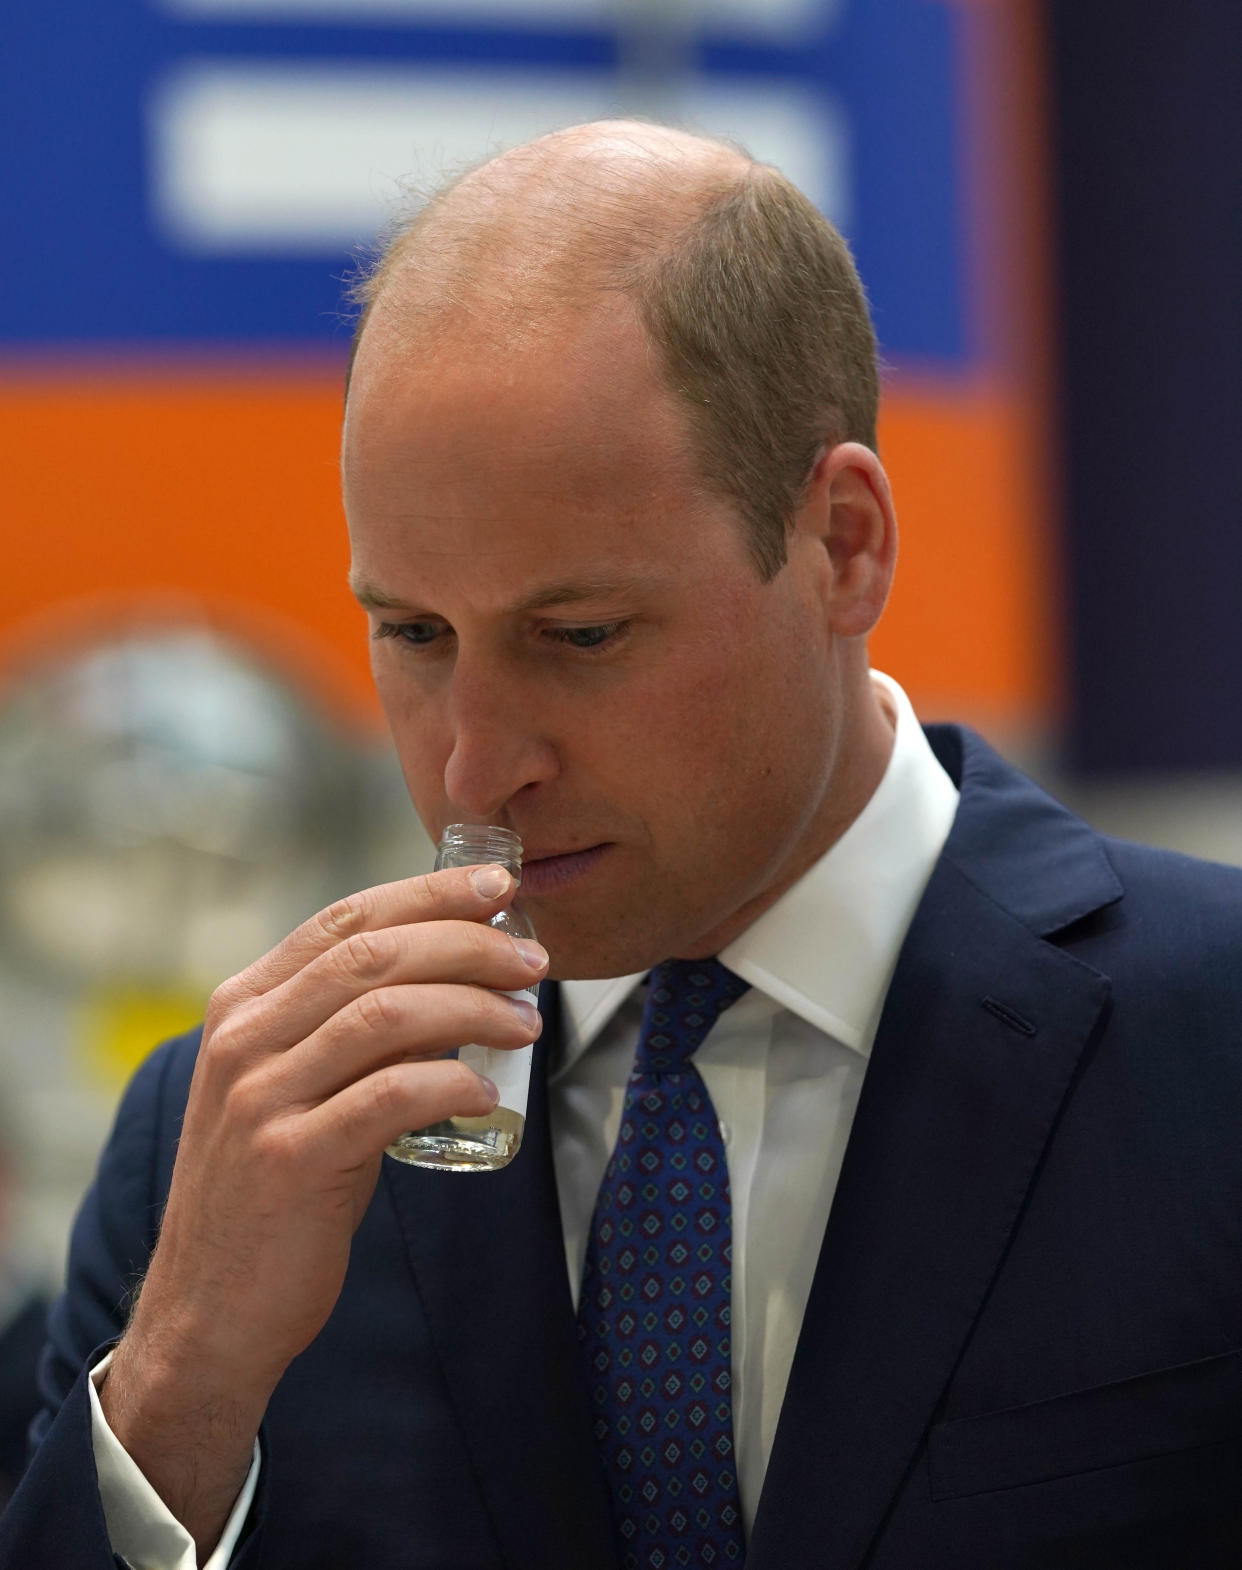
{"type": "Point", "coordinates": [454, 894]}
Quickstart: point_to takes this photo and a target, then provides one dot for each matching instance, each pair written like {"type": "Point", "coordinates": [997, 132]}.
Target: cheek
{"type": "Point", "coordinates": [685, 729]}
{"type": "Point", "coordinates": [752, 729]}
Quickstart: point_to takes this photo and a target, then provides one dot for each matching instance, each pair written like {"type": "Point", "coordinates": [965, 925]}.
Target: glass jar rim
{"type": "Point", "coordinates": [483, 837]}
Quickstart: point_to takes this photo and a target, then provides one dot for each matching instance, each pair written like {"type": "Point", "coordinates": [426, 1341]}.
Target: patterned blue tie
{"type": "Point", "coordinates": [653, 1317]}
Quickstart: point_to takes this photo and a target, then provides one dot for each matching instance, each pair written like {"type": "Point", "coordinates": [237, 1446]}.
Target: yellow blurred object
{"type": "Point", "coordinates": [119, 1026]}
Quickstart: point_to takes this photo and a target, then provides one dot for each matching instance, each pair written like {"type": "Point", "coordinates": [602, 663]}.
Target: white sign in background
{"type": "Point", "coordinates": [298, 159]}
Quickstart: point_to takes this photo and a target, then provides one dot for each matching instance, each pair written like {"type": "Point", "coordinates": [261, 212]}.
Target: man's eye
{"type": "Point", "coordinates": [597, 637]}
{"type": "Point", "coordinates": [416, 632]}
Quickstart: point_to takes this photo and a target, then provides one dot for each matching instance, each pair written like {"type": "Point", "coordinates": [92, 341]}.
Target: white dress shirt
{"type": "Point", "coordinates": [784, 1067]}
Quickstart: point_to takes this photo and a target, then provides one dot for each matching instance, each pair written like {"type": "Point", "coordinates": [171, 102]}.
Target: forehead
{"type": "Point", "coordinates": [546, 368]}
{"type": "Point", "coordinates": [538, 440]}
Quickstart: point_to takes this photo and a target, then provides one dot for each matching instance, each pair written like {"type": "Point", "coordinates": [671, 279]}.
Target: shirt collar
{"type": "Point", "coordinates": [827, 947]}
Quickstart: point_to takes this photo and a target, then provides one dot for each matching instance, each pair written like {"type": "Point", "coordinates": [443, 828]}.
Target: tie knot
{"type": "Point", "coordinates": [685, 997]}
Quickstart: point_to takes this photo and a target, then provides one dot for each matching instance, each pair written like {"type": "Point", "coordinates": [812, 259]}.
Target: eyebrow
{"type": "Point", "coordinates": [570, 592]}
{"type": "Point", "coordinates": [371, 598]}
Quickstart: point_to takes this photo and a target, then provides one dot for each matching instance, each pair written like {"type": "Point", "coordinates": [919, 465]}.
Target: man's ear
{"type": "Point", "coordinates": [847, 513]}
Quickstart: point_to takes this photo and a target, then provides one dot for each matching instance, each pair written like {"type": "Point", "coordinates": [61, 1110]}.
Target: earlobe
{"type": "Point", "coordinates": [858, 529]}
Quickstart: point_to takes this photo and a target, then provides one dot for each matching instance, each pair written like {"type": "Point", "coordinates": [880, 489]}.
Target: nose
{"type": "Point", "coordinates": [498, 746]}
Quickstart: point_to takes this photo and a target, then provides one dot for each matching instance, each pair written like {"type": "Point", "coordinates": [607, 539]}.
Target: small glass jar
{"type": "Point", "coordinates": [487, 1143]}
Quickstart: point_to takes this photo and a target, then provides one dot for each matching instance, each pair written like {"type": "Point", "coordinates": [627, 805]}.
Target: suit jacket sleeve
{"type": "Point", "coordinates": [55, 1518]}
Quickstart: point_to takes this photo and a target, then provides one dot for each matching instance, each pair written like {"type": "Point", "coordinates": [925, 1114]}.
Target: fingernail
{"type": "Point", "coordinates": [490, 882]}
{"type": "Point", "coordinates": [535, 955]}
{"type": "Point", "coordinates": [529, 1013]}
{"type": "Point", "coordinates": [490, 1087]}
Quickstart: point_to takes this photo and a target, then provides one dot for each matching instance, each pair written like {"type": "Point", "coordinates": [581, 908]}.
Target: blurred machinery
{"type": "Point", "coordinates": [169, 809]}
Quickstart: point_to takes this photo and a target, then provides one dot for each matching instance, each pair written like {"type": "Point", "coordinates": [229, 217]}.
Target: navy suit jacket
{"type": "Point", "coordinates": [21, 1341]}
{"type": "Point", "coordinates": [1023, 1345]}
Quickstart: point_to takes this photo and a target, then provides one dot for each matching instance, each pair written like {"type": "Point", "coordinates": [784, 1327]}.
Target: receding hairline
{"type": "Point", "coordinates": [548, 224]}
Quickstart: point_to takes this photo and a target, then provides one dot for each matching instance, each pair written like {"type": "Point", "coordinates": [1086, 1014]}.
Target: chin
{"type": "Point", "coordinates": [573, 958]}
{"type": "Point", "coordinates": [586, 966]}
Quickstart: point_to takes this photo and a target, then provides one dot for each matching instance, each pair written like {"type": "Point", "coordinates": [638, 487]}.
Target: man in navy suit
{"type": "Point", "coordinates": [620, 527]}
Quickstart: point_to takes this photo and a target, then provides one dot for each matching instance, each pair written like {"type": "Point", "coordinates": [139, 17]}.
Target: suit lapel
{"type": "Point", "coordinates": [983, 1029]}
{"type": "Point", "coordinates": [488, 1260]}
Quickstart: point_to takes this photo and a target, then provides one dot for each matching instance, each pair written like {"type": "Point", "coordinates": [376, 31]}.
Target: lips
{"type": "Point", "coordinates": [548, 874]}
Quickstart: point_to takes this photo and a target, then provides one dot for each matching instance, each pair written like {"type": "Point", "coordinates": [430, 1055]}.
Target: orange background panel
{"type": "Point", "coordinates": [152, 494]}
{"type": "Point", "coordinates": [128, 492]}
{"type": "Point", "coordinates": [972, 629]}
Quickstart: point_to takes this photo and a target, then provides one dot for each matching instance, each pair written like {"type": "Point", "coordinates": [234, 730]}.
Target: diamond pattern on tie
{"type": "Point", "coordinates": [653, 1317]}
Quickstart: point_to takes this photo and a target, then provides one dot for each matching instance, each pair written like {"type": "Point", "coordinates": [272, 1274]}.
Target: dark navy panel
{"type": "Point", "coordinates": [1148, 161]}
{"type": "Point", "coordinates": [81, 262]}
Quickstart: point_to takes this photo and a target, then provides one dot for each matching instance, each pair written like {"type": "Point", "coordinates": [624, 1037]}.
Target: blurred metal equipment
{"type": "Point", "coordinates": [164, 804]}
{"type": "Point", "coordinates": [169, 809]}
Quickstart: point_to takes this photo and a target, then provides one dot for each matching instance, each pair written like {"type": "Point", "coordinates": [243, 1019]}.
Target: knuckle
{"type": "Point", "coordinates": [428, 894]}
{"type": "Point", "coordinates": [343, 918]}
{"type": "Point", "coordinates": [494, 1013]}
{"type": "Point", "coordinates": [383, 1091]}
{"type": "Point", "coordinates": [222, 1001]}
{"type": "Point", "coordinates": [386, 1093]}
{"type": "Point", "coordinates": [485, 943]}
{"type": "Point", "coordinates": [277, 1144]}
{"type": "Point", "coordinates": [463, 1082]}
{"type": "Point", "coordinates": [377, 1011]}
{"type": "Point", "coordinates": [245, 1103]}
{"type": "Point", "coordinates": [365, 956]}
{"type": "Point", "coordinates": [225, 1039]}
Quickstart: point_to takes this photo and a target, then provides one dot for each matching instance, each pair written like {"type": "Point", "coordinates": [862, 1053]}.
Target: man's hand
{"type": "Point", "coordinates": [313, 1060]}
